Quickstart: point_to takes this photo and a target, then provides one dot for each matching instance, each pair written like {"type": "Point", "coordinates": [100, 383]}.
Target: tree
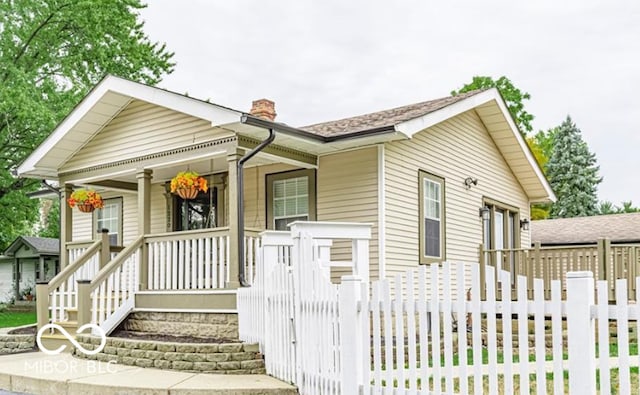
{"type": "Point", "coordinates": [573, 174]}
{"type": "Point", "coordinates": [513, 97]}
{"type": "Point", "coordinates": [52, 52]}
{"type": "Point", "coordinates": [51, 224]}
{"type": "Point", "coordinates": [606, 207]}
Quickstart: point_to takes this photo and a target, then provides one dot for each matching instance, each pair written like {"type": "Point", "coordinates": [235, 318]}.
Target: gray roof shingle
{"type": "Point", "coordinates": [619, 228]}
{"type": "Point", "coordinates": [42, 245]}
{"type": "Point", "coordinates": [385, 118]}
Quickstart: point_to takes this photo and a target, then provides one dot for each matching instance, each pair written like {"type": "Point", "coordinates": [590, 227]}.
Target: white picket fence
{"type": "Point", "coordinates": [413, 335]}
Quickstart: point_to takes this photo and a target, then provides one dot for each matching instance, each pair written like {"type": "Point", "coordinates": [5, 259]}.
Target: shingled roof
{"type": "Point", "coordinates": [619, 228]}
{"type": "Point", "coordinates": [385, 118]}
{"type": "Point", "coordinates": [41, 245]}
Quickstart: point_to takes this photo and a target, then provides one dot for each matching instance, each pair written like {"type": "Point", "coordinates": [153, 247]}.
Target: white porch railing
{"type": "Point", "coordinates": [111, 293]}
{"type": "Point", "coordinates": [84, 258]}
{"type": "Point", "coordinates": [197, 259]}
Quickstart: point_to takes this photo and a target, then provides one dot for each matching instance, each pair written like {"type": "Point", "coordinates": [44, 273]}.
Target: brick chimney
{"type": "Point", "coordinates": [264, 108]}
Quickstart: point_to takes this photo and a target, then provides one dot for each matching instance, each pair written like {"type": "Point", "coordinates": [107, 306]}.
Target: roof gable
{"type": "Point", "coordinates": [98, 108]}
{"type": "Point", "coordinates": [41, 245]}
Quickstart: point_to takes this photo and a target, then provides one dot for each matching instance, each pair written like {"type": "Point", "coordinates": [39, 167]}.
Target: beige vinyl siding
{"type": "Point", "coordinates": [254, 193]}
{"type": "Point", "coordinates": [455, 149]}
{"type": "Point", "coordinates": [159, 213]}
{"type": "Point", "coordinates": [82, 228]}
{"type": "Point", "coordinates": [348, 192]}
{"type": "Point", "coordinates": [141, 129]}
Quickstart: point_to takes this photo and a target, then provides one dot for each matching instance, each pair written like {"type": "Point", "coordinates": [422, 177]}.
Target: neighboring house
{"type": "Point", "coordinates": [618, 228]}
{"type": "Point", "coordinates": [419, 174]}
{"type": "Point", "coordinates": [29, 259]}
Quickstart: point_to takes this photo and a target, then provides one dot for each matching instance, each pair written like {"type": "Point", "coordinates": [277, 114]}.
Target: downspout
{"type": "Point", "coordinates": [240, 203]}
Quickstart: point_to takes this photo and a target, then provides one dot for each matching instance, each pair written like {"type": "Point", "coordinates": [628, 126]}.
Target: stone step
{"type": "Point", "coordinates": [219, 326]}
{"type": "Point", "coordinates": [219, 358]}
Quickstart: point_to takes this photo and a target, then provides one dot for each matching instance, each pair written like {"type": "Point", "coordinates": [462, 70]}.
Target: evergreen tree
{"type": "Point", "coordinates": [573, 174]}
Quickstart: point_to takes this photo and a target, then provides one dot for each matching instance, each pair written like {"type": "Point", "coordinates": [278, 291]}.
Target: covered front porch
{"type": "Point", "coordinates": [150, 249]}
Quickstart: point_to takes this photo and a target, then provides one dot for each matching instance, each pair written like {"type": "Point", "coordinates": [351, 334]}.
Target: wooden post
{"type": "Point", "coordinates": [84, 302]}
{"type": "Point", "coordinates": [66, 220]}
{"type": "Point", "coordinates": [105, 248]}
{"type": "Point", "coordinates": [605, 265]}
{"type": "Point", "coordinates": [42, 303]}
{"type": "Point", "coordinates": [581, 333]}
{"type": "Point", "coordinates": [144, 222]}
{"type": "Point", "coordinates": [232, 213]}
{"type": "Point", "coordinates": [537, 262]}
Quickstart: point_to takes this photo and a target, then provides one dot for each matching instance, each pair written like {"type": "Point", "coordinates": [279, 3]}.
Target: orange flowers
{"type": "Point", "coordinates": [189, 180]}
{"type": "Point", "coordinates": [85, 197]}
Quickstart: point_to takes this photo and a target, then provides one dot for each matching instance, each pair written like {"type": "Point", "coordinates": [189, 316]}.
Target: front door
{"type": "Point", "coordinates": [205, 211]}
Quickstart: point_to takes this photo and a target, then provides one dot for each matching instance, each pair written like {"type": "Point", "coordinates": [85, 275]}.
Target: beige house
{"type": "Point", "coordinates": [420, 174]}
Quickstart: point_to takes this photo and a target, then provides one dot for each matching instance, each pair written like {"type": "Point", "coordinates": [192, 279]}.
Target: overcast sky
{"type": "Point", "coordinates": [325, 60]}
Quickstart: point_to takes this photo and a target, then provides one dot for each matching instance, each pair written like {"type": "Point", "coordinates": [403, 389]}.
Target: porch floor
{"type": "Point", "coordinates": [38, 373]}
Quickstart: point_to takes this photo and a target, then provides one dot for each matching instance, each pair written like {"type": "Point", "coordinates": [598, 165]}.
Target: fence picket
{"type": "Point", "coordinates": [377, 331]}
{"type": "Point", "coordinates": [523, 335]}
{"type": "Point", "coordinates": [434, 309]}
{"type": "Point", "coordinates": [507, 339]}
{"type": "Point", "coordinates": [492, 346]}
{"type": "Point", "coordinates": [399, 332]}
{"type": "Point", "coordinates": [411, 333]}
{"type": "Point", "coordinates": [447, 327]}
{"type": "Point", "coordinates": [462, 329]}
{"type": "Point", "coordinates": [603, 337]}
{"type": "Point", "coordinates": [388, 332]}
{"type": "Point", "coordinates": [424, 327]}
{"type": "Point", "coordinates": [476, 324]}
{"type": "Point", "coordinates": [622, 320]}
{"type": "Point", "coordinates": [556, 339]}
{"type": "Point", "coordinates": [540, 343]}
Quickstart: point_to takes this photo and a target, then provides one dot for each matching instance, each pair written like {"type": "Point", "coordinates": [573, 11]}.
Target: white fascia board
{"type": "Point", "coordinates": [217, 115]}
{"type": "Point", "coordinates": [413, 126]}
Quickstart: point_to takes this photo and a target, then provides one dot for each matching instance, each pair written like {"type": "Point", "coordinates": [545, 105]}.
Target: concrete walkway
{"type": "Point", "coordinates": [38, 373]}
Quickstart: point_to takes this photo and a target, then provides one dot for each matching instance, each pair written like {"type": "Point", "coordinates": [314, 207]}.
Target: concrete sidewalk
{"type": "Point", "coordinates": [38, 373]}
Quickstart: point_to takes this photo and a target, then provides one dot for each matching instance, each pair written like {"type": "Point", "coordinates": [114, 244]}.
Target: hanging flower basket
{"type": "Point", "coordinates": [87, 200]}
{"type": "Point", "coordinates": [86, 207]}
{"type": "Point", "coordinates": [187, 184]}
{"type": "Point", "coordinates": [187, 193]}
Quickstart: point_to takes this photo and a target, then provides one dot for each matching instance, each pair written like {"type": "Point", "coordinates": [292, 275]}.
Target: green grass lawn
{"type": "Point", "coordinates": [11, 319]}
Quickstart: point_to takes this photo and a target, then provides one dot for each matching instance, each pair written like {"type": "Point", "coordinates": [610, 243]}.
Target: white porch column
{"type": "Point", "coordinates": [66, 220]}
{"type": "Point", "coordinates": [144, 220]}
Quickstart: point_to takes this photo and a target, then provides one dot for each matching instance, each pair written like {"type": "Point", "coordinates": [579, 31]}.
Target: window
{"type": "Point", "coordinates": [110, 217]}
{"type": "Point", "coordinates": [431, 196]}
{"type": "Point", "coordinates": [501, 233]}
{"type": "Point", "coordinates": [290, 197]}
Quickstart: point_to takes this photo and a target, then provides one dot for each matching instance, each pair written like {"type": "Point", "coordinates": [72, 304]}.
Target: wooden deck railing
{"type": "Point", "coordinates": [606, 262]}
